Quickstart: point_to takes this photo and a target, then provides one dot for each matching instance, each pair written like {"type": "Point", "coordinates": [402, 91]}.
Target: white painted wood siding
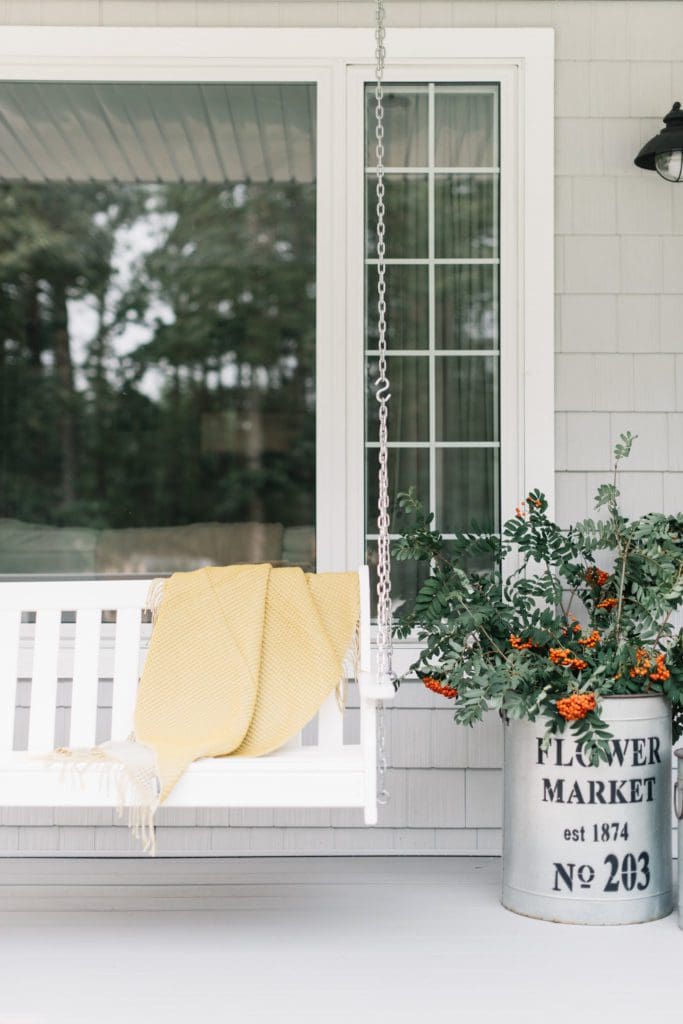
{"type": "Point", "coordinates": [619, 343]}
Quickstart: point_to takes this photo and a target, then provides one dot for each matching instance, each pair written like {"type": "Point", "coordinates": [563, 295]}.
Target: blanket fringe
{"type": "Point", "coordinates": [154, 597]}
{"type": "Point", "coordinates": [350, 669]}
{"type": "Point", "coordinates": [136, 789]}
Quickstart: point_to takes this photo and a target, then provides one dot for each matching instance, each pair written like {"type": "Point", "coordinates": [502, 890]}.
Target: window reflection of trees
{"type": "Point", "coordinates": [157, 354]}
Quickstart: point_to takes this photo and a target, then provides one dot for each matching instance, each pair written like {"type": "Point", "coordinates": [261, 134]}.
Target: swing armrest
{"type": "Point", "coordinates": [373, 690]}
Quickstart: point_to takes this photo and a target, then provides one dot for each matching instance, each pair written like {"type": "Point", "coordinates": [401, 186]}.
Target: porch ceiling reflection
{"type": "Point", "coordinates": [157, 132]}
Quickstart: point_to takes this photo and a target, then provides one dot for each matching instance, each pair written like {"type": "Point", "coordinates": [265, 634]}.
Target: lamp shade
{"type": "Point", "coordinates": [664, 152]}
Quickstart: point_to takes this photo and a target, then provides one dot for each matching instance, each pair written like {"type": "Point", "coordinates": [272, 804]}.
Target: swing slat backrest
{"type": "Point", "coordinates": [60, 642]}
{"type": "Point", "coordinates": [41, 728]}
{"type": "Point", "coordinates": [85, 668]}
{"type": "Point", "coordinates": [126, 669]}
{"type": "Point", "coordinates": [52, 650]}
{"type": "Point", "coordinates": [10, 621]}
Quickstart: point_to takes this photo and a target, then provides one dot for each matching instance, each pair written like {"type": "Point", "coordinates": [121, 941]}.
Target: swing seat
{"type": "Point", "coordinates": [80, 650]}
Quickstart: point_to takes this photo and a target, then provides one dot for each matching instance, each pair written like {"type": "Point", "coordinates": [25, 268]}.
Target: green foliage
{"type": "Point", "coordinates": [545, 622]}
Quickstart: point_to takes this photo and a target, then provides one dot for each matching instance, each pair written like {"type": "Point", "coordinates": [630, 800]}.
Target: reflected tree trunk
{"type": "Point", "coordinates": [175, 455]}
{"type": "Point", "coordinates": [254, 444]}
{"type": "Point", "coordinates": [98, 350]}
{"type": "Point", "coordinates": [5, 435]}
{"type": "Point", "coordinates": [33, 325]}
{"type": "Point", "coordinates": [65, 390]}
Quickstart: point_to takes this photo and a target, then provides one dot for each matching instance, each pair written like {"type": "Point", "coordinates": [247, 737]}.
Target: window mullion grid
{"type": "Point", "coordinates": [431, 148]}
{"type": "Point", "coordinates": [464, 353]}
{"type": "Point", "coordinates": [437, 444]}
{"type": "Point", "coordinates": [437, 170]}
{"type": "Point", "coordinates": [415, 261]}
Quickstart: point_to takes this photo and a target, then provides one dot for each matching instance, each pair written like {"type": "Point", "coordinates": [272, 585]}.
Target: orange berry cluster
{"type": "Point", "coordinates": [658, 672]}
{"type": "Point", "coordinates": [518, 644]}
{"type": "Point", "coordinates": [433, 684]}
{"type": "Point", "coordinates": [643, 664]}
{"type": "Point", "coordinates": [597, 576]}
{"type": "Point", "coordinates": [575, 707]}
{"type": "Point", "coordinates": [609, 602]}
{"type": "Point", "coordinates": [661, 672]}
{"type": "Point", "coordinates": [564, 657]}
{"type": "Point", "coordinates": [520, 511]}
{"type": "Point", "coordinates": [590, 641]}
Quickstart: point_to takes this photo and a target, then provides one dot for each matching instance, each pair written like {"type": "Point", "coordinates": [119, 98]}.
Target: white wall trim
{"type": "Point", "coordinates": [59, 46]}
{"type": "Point", "coordinates": [537, 243]}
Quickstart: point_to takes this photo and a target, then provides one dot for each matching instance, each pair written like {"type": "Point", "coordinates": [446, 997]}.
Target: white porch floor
{"type": "Point", "coordinates": [335, 939]}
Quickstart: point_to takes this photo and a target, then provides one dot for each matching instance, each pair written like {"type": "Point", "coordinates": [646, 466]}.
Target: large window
{"type": "Point", "coordinates": [443, 257]}
{"type": "Point", "coordinates": [187, 275]}
{"type": "Point", "coordinates": [157, 326]}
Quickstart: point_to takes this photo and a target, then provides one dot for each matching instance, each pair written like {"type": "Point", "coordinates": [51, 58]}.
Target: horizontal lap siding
{"type": "Point", "coordinates": [619, 344]}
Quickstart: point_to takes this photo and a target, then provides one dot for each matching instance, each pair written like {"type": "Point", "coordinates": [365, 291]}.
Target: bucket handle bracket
{"type": "Point", "coordinates": [678, 801]}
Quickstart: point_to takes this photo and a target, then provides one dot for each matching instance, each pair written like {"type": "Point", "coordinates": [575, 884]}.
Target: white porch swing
{"type": "Point", "coordinates": [329, 774]}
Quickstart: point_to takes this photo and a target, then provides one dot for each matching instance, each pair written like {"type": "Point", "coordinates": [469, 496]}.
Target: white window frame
{"type": "Point", "coordinates": [339, 62]}
{"type": "Point", "coordinates": [509, 368]}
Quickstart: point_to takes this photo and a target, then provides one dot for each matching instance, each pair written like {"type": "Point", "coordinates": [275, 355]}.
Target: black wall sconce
{"type": "Point", "coordinates": [664, 153]}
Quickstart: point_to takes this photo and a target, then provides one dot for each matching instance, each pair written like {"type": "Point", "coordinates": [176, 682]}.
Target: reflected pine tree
{"type": "Point", "coordinates": [56, 246]}
{"type": "Point", "coordinates": [157, 354]}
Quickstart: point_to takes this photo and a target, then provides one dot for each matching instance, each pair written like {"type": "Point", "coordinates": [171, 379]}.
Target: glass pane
{"type": "Point", "coordinates": [467, 489]}
{"type": "Point", "coordinates": [406, 580]}
{"type": "Point", "coordinates": [408, 467]}
{"type": "Point", "coordinates": [409, 405]}
{"type": "Point", "coordinates": [470, 562]}
{"type": "Point", "coordinates": [465, 129]}
{"type": "Point", "coordinates": [157, 361]}
{"type": "Point", "coordinates": [466, 306]}
{"type": "Point", "coordinates": [407, 298]}
{"type": "Point", "coordinates": [456, 305]}
{"type": "Point", "coordinates": [466, 215]}
{"type": "Point", "coordinates": [405, 126]}
{"type": "Point", "coordinates": [406, 220]}
{"type": "Point", "coordinates": [467, 398]}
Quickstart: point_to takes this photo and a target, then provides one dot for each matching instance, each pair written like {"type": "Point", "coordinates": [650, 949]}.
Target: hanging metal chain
{"type": "Point", "coordinates": [383, 794]}
{"type": "Point", "coordinates": [382, 394]}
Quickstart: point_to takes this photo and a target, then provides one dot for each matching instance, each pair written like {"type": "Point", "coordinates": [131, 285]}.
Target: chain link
{"type": "Point", "coordinates": [382, 394]}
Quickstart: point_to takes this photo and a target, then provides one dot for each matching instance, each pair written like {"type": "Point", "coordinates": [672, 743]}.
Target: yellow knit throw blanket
{"type": "Point", "coordinates": [241, 657]}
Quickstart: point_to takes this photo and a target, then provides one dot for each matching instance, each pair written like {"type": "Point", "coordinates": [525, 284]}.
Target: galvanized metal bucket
{"type": "Point", "coordinates": [585, 845]}
{"type": "Point", "coordinates": [678, 807]}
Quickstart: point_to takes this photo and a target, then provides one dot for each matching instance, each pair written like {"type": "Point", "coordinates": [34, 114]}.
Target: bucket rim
{"type": "Point", "coordinates": [634, 696]}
